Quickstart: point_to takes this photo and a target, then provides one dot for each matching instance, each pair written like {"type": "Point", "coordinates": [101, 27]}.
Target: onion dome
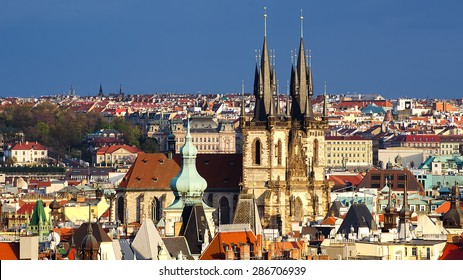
{"type": "Point", "coordinates": [188, 183]}
{"type": "Point", "coordinates": [89, 243]}
{"type": "Point", "coordinates": [54, 205]}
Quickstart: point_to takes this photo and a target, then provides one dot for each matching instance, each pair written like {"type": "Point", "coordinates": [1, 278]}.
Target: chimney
{"type": "Point", "coordinates": [245, 253]}
{"type": "Point", "coordinates": [229, 254]}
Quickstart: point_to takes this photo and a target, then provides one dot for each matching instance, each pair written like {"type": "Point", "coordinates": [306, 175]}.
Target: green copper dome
{"type": "Point", "coordinates": [188, 184]}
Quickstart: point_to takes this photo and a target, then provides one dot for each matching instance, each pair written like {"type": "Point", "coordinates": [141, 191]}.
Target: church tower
{"type": "Point", "coordinates": [283, 158]}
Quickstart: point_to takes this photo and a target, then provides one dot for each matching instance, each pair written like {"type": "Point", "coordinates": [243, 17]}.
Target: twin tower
{"type": "Point", "coordinates": [284, 150]}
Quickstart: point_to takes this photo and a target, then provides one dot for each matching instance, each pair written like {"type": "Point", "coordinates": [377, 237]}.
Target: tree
{"type": "Point", "coordinates": [149, 145]}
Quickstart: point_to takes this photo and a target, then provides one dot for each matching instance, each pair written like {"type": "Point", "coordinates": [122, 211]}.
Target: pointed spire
{"type": "Point", "coordinates": [288, 112]}
{"type": "Point", "coordinates": [120, 88]}
{"type": "Point", "coordinates": [405, 211]}
{"type": "Point", "coordinates": [101, 90]}
{"type": "Point", "coordinates": [310, 80]}
{"type": "Point", "coordinates": [89, 228]}
{"type": "Point", "coordinates": [265, 21]}
{"type": "Point", "coordinates": [302, 25]}
{"type": "Point", "coordinates": [278, 97]}
{"type": "Point", "coordinates": [389, 200]}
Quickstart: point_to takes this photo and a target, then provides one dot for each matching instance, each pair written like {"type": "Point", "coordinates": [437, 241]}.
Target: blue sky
{"type": "Point", "coordinates": [394, 48]}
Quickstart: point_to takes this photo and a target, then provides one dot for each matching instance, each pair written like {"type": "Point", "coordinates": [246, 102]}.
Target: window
{"type": "Point", "coordinates": [422, 208]}
{"type": "Point", "coordinates": [257, 152]}
{"type": "Point", "coordinates": [279, 152]}
{"type": "Point", "coordinates": [413, 251]}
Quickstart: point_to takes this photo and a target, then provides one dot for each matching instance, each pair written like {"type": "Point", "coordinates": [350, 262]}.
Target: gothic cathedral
{"type": "Point", "coordinates": [283, 152]}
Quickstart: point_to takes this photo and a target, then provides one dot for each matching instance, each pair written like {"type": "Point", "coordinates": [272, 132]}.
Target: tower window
{"type": "Point", "coordinates": [257, 152]}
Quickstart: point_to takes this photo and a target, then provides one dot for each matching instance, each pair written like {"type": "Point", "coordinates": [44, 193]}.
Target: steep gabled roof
{"type": "Point", "coordinates": [147, 241]}
{"type": "Point", "coordinates": [357, 216]}
{"type": "Point", "coordinates": [195, 227]}
{"type": "Point", "coordinates": [177, 244]}
{"type": "Point", "coordinates": [39, 213]}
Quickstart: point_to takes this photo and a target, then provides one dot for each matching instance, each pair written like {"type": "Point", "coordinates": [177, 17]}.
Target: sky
{"type": "Point", "coordinates": [395, 48]}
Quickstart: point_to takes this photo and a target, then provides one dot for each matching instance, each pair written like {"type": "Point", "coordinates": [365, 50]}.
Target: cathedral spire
{"type": "Point", "coordinates": [265, 21]}
{"type": "Point", "coordinates": [100, 92]}
{"type": "Point", "coordinates": [288, 112]}
{"type": "Point", "coordinates": [302, 25]}
{"type": "Point", "coordinates": [300, 83]}
{"type": "Point", "coordinates": [263, 84]}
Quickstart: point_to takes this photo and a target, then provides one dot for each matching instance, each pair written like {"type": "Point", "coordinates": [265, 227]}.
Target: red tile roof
{"type": "Point", "coordinates": [445, 207]}
{"type": "Point", "coordinates": [27, 208]}
{"type": "Point", "coordinates": [340, 180]}
{"type": "Point", "coordinates": [331, 221]}
{"type": "Point", "coordinates": [453, 251]}
{"type": "Point", "coordinates": [216, 250]}
{"type": "Point", "coordinates": [65, 234]}
{"type": "Point", "coordinates": [155, 171]}
{"type": "Point", "coordinates": [29, 146]}
{"type": "Point", "coordinates": [113, 148]}
{"type": "Point", "coordinates": [9, 250]}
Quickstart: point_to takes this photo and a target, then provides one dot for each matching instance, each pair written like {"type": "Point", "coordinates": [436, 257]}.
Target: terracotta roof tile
{"type": "Point", "coordinates": [216, 250]}
{"type": "Point", "coordinates": [9, 251]}
{"type": "Point", "coordinates": [445, 207]}
{"type": "Point", "coordinates": [155, 171]}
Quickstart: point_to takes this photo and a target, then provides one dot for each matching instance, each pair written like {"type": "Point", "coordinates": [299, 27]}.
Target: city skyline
{"type": "Point", "coordinates": [394, 49]}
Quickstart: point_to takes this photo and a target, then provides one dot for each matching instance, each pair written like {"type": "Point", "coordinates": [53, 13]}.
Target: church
{"type": "Point", "coordinates": [282, 165]}
{"type": "Point", "coordinates": [283, 150]}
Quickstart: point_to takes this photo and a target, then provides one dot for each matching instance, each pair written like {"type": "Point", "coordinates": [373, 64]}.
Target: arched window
{"type": "Point", "coordinates": [257, 150]}
{"type": "Point", "coordinates": [156, 210]}
{"type": "Point", "coordinates": [315, 151]}
{"type": "Point", "coordinates": [120, 209]}
{"type": "Point", "coordinates": [224, 211]}
{"type": "Point", "coordinates": [279, 152]}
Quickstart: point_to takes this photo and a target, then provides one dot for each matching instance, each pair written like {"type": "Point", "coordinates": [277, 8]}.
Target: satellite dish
{"type": "Point", "coordinates": [54, 240]}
